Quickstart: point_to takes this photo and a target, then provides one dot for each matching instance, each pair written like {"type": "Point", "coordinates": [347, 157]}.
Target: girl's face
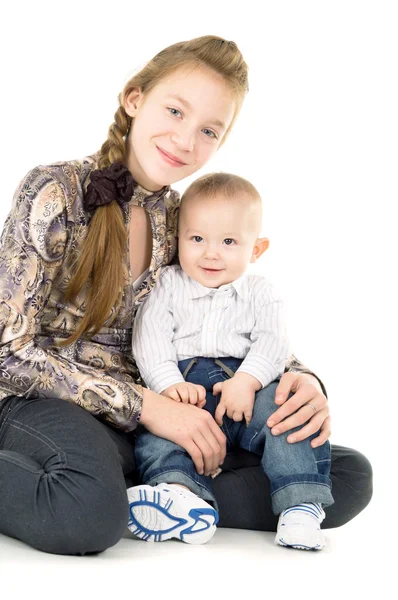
{"type": "Point", "coordinates": [177, 126]}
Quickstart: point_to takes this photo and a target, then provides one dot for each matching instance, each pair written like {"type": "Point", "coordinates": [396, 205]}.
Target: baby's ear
{"type": "Point", "coordinates": [260, 246]}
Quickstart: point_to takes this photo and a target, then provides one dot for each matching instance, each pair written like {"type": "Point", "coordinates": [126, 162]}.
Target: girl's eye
{"type": "Point", "coordinates": [174, 111]}
{"type": "Point", "coordinates": [197, 238]}
{"type": "Point", "coordinates": [229, 242]}
{"type": "Point", "coordinates": [209, 133]}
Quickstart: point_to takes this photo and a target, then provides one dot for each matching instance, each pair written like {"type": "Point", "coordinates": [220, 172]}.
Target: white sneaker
{"type": "Point", "coordinates": [300, 527]}
{"type": "Point", "coordinates": [170, 511]}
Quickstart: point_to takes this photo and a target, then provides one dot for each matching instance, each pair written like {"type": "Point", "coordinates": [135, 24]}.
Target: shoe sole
{"type": "Point", "coordinates": [281, 542]}
{"type": "Point", "coordinates": [153, 517]}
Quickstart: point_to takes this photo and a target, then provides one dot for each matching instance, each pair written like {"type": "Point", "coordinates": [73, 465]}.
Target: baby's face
{"type": "Point", "coordinates": [216, 238]}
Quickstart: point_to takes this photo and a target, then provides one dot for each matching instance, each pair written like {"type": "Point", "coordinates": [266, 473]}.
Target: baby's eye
{"type": "Point", "coordinates": [174, 111]}
{"type": "Point", "coordinates": [229, 242]}
{"type": "Point", "coordinates": [197, 238]}
{"type": "Point", "coordinates": [209, 133]}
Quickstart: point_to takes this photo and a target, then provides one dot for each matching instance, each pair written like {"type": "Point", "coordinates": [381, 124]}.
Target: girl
{"type": "Point", "coordinates": [81, 249]}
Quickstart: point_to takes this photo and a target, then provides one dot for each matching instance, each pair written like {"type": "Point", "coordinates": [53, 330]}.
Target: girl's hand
{"type": "Point", "coordinates": [189, 393]}
{"type": "Point", "coordinates": [188, 426]}
{"type": "Point", "coordinates": [309, 402]}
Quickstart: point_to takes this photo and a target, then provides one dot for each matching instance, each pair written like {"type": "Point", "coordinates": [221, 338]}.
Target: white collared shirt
{"type": "Point", "coordinates": [183, 319]}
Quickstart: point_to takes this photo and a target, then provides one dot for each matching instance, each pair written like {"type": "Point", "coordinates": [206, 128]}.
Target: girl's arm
{"type": "Point", "coordinates": [33, 247]}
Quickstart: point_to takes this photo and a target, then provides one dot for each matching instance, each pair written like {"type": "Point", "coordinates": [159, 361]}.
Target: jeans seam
{"type": "Point", "coordinates": [251, 439]}
{"type": "Point", "coordinates": [15, 461]}
{"type": "Point", "coordinates": [41, 437]}
{"type": "Point", "coordinates": [298, 483]}
{"type": "Point", "coordinates": [6, 417]}
{"type": "Point", "coordinates": [215, 372]}
{"type": "Point", "coordinates": [227, 433]}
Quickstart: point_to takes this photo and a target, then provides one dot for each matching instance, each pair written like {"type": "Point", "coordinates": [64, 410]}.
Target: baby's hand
{"type": "Point", "coordinates": [189, 393]}
{"type": "Point", "coordinates": [237, 397]}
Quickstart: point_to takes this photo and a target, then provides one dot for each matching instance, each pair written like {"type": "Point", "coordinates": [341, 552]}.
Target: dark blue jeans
{"type": "Point", "coordinates": [63, 477]}
{"type": "Point", "coordinates": [297, 472]}
{"type": "Point", "coordinates": [62, 488]}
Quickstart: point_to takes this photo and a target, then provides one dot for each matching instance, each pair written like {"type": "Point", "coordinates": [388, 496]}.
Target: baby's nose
{"type": "Point", "coordinates": [211, 252]}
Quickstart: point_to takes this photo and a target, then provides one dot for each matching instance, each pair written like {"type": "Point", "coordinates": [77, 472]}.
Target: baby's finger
{"type": "Point", "coordinates": [184, 394]}
{"type": "Point", "coordinates": [230, 411]}
{"type": "Point", "coordinates": [220, 412]}
{"type": "Point", "coordinates": [217, 388]}
{"type": "Point", "coordinates": [248, 417]}
{"type": "Point", "coordinates": [237, 416]}
{"type": "Point", "coordinates": [173, 394]}
{"type": "Point", "coordinates": [201, 393]}
{"type": "Point", "coordinates": [193, 395]}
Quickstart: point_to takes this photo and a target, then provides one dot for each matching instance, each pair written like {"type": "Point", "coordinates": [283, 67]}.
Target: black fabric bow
{"type": "Point", "coordinates": [111, 183]}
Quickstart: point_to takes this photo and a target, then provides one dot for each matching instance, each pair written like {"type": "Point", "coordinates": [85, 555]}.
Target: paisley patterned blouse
{"type": "Point", "coordinates": [42, 238]}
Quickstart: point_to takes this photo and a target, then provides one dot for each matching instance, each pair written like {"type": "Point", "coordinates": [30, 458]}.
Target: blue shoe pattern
{"type": "Point", "coordinates": [159, 522]}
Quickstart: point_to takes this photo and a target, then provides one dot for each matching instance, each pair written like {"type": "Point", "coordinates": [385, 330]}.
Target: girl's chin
{"type": "Point", "coordinates": [159, 180]}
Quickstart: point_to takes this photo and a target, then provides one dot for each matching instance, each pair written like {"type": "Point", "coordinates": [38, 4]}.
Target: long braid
{"type": "Point", "coordinates": [114, 148]}
{"type": "Point", "coordinates": [103, 251]}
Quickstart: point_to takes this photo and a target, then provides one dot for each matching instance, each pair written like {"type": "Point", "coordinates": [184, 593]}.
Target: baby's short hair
{"type": "Point", "coordinates": [227, 184]}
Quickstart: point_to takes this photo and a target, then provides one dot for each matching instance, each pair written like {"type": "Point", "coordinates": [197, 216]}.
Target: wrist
{"type": "Point", "coordinates": [251, 382]}
{"type": "Point", "coordinates": [149, 402]}
{"type": "Point", "coordinates": [311, 379]}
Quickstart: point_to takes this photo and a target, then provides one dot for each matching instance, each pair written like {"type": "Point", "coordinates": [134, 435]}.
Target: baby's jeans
{"type": "Point", "coordinates": [297, 472]}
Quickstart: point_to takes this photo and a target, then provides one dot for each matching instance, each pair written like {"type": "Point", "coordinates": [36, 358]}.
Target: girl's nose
{"type": "Point", "coordinates": [184, 140]}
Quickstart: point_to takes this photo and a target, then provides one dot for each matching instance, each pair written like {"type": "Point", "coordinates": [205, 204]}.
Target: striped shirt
{"type": "Point", "coordinates": [184, 319]}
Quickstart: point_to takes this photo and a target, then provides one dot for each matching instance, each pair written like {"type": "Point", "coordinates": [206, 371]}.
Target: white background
{"type": "Point", "coordinates": [317, 136]}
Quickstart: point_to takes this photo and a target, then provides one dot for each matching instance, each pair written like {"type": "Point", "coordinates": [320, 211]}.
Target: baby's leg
{"type": "Point", "coordinates": [298, 473]}
{"type": "Point", "coordinates": [163, 507]}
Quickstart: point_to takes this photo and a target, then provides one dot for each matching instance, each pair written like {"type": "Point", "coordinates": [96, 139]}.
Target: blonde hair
{"type": "Point", "coordinates": [226, 184]}
{"type": "Point", "coordinates": [103, 252]}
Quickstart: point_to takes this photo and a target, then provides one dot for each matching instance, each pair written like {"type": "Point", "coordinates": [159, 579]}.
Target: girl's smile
{"type": "Point", "coordinates": [170, 158]}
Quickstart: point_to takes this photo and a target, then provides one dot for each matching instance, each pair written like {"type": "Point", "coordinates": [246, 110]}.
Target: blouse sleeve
{"type": "Point", "coordinates": [295, 366]}
{"type": "Point", "coordinates": [32, 250]}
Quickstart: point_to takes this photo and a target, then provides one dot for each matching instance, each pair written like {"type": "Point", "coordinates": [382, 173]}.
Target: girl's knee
{"type": "Point", "coordinates": [86, 525]}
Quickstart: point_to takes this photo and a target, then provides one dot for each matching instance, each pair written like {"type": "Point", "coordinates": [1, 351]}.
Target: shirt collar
{"type": "Point", "coordinates": [194, 289]}
{"type": "Point", "coordinates": [149, 200]}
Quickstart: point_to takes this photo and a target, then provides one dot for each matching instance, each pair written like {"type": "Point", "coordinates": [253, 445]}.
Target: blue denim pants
{"type": "Point", "coordinates": [297, 472]}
